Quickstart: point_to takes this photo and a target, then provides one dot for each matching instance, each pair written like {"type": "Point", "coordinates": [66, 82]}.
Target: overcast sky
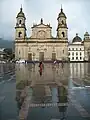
{"type": "Point", "coordinates": [77, 12]}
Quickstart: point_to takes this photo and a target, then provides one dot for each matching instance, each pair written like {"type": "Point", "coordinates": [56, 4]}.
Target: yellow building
{"type": "Point", "coordinates": [41, 45]}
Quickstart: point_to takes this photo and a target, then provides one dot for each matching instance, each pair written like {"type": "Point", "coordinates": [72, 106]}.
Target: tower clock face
{"type": "Point", "coordinates": [41, 34]}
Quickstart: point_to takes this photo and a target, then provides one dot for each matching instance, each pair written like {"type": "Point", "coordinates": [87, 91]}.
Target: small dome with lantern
{"type": "Point", "coordinates": [86, 34]}
{"type": "Point", "coordinates": [20, 14]}
{"type": "Point", "coordinates": [61, 14]}
{"type": "Point", "coordinates": [76, 39]}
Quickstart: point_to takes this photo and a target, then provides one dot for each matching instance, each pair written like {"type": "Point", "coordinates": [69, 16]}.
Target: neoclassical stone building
{"type": "Point", "coordinates": [76, 49]}
{"type": "Point", "coordinates": [79, 49]}
{"type": "Point", "coordinates": [41, 45]}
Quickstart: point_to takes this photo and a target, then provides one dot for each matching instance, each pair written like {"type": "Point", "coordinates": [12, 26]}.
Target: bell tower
{"type": "Point", "coordinates": [20, 26]}
{"type": "Point", "coordinates": [62, 30]}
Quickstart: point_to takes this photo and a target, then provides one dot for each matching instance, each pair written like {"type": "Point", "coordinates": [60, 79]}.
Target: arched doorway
{"type": "Point", "coordinates": [30, 56]}
{"type": "Point", "coordinates": [53, 56]}
{"type": "Point", "coordinates": [41, 56]}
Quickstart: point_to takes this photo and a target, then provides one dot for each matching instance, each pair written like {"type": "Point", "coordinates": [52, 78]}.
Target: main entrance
{"type": "Point", "coordinates": [53, 56]}
{"type": "Point", "coordinates": [41, 56]}
{"type": "Point", "coordinates": [30, 56]}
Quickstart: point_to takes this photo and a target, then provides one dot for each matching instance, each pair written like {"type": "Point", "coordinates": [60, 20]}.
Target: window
{"type": "Point", "coordinates": [76, 53]}
{"type": "Point", "coordinates": [19, 51]}
{"type": "Point", "coordinates": [63, 34]}
{"type": "Point", "coordinates": [20, 21]}
{"type": "Point", "coordinates": [80, 49]}
{"type": "Point", "coordinates": [72, 48]}
{"type": "Point", "coordinates": [76, 58]}
{"type": "Point", "coordinates": [80, 58]}
{"type": "Point", "coordinates": [69, 48]}
{"type": "Point", "coordinates": [80, 53]}
{"type": "Point", "coordinates": [72, 53]}
{"type": "Point", "coordinates": [72, 58]}
{"type": "Point", "coordinates": [62, 22]}
{"type": "Point", "coordinates": [19, 34]}
{"type": "Point", "coordinates": [63, 51]}
{"type": "Point", "coordinates": [76, 49]}
{"type": "Point", "coordinates": [69, 53]}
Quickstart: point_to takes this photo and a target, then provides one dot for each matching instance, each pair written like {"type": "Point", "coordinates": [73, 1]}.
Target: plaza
{"type": "Point", "coordinates": [56, 94]}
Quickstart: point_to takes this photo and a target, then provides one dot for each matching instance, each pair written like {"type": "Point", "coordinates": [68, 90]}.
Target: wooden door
{"type": "Point", "coordinates": [30, 56]}
{"type": "Point", "coordinates": [53, 56]}
{"type": "Point", "coordinates": [41, 56]}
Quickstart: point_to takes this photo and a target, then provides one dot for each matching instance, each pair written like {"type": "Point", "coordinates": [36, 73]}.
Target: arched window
{"type": "Point", "coordinates": [20, 21]}
{"type": "Point", "coordinates": [69, 53]}
{"type": "Point", "coordinates": [76, 53]}
{"type": "Point", "coordinates": [62, 22]}
{"type": "Point", "coordinates": [72, 53]}
{"type": "Point", "coordinates": [80, 53]}
{"type": "Point", "coordinates": [63, 51]}
{"type": "Point", "coordinates": [19, 34]}
{"type": "Point", "coordinates": [19, 52]}
{"type": "Point", "coordinates": [63, 34]}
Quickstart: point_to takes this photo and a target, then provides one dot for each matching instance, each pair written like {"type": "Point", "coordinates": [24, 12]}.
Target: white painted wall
{"type": "Point", "coordinates": [76, 48]}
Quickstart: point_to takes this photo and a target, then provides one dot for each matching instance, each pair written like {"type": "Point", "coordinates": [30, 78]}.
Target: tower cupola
{"type": "Point", "coordinates": [86, 36]}
{"type": "Point", "coordinates": [61, 14]}
{"type": "Point", "coordinates": [21, 13]}
{"type": "Point", "coordinates": [62, 25]}
{"type": "Point", "coordinates": [20, 25]}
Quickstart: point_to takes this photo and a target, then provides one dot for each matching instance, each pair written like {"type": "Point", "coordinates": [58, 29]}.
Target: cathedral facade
{"type": "Point", "coordinates": [41, 45]}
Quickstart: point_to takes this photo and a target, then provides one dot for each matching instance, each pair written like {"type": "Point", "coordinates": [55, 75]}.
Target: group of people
{"type": "Point", "coordinates": [41, 66]}
{"type": "Point", "coordinates": [62, 63]}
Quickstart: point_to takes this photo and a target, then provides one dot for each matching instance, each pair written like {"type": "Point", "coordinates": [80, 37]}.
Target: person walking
{"type": "Point", "coordinates": [62, 64]}
{"type": "Point", "coordinates": [40, 65]}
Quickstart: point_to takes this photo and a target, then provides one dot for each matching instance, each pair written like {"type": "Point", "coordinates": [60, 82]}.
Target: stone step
{"type": "Point", "coordinates": [48, 105]}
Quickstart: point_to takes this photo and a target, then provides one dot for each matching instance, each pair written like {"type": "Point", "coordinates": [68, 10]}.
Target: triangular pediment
{"type": "Point", "coordinates": [41, 26]}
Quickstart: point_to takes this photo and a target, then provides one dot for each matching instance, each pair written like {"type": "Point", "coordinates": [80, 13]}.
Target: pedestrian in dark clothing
{"type": "Point", "coordinates": [62, 64]}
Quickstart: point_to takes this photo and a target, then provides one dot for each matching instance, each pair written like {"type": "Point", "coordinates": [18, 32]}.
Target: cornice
{"type": "Point", "coordinates": [54, 41]}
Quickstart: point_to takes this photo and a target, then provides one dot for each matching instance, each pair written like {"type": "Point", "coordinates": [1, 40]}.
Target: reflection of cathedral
{"type": "Point", "coordinates": [41, 45]}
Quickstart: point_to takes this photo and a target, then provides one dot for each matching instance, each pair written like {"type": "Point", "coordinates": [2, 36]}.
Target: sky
{"type": "Point", "coordinates": [77, 12]}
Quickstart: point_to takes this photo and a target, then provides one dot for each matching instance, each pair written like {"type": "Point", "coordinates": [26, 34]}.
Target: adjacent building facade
{"type": "Point", "coordinates": [42, 46]}
{"type": "Point", "coordinates": [87, 46]}
{"type": "Point", "coordinates": [76, 49]}
{"type": "Point", "coordinates": [79, 49]}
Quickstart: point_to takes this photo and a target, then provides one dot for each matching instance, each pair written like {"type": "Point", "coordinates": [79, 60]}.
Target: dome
{"type": "Point", "coordinates": [62, 14]}
{"type": "Point", "coordinates": [86, 34]}
{"type": "Point", "coordinates": [77, 39]}
{"type": "Point", "coordinates": [21, 14]}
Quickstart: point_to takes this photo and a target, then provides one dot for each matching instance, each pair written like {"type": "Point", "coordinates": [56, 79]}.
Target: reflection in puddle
{"type": "Point", "coordinates": [50, 87]}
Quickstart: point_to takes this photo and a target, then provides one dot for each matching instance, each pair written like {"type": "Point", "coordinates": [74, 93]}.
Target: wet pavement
{"type": "Point", "coordinates": [8, 109]}
{"type": "Point", "coordinates": [54, 93]}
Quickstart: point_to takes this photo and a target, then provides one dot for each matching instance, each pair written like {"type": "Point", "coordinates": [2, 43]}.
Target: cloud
{"type": "Point", "coordinates": [77, 13]}
{"type": "Point", "coordinates": [9, 9]}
